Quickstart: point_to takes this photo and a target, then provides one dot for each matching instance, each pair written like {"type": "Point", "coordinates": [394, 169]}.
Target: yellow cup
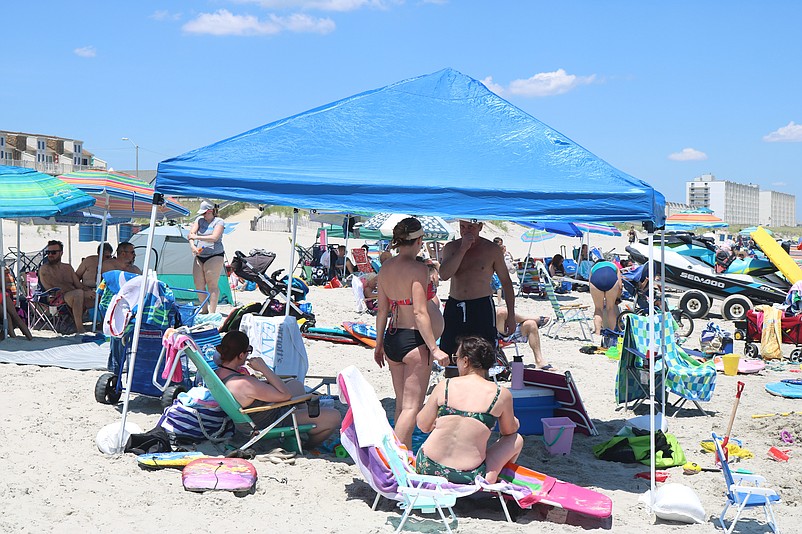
{"type": "Point", "coordinates": [731, 364]}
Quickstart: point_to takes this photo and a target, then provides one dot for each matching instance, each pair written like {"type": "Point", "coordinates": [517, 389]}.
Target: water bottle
{"type": "Point", "coordinates": [517, 369]}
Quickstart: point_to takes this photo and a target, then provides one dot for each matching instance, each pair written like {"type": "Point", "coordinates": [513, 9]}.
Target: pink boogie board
{"type": "Point", "coordinates": [219, 474]}
{"type": "Point", "coordinates": [745, 367]}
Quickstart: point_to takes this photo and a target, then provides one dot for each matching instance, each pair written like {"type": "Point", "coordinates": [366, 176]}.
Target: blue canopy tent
{"type": "Point", "coordinates": [440, 144]}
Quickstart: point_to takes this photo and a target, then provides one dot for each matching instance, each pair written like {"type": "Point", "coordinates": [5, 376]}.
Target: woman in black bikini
{"type": "Point", "coordinates": [206, 241]}
{"type": "Point", "coordinates": [407, 328]}
{"type": "Point", "coordinates": [460, 414]}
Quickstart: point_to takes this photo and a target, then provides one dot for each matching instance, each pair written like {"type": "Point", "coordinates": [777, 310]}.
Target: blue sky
{"type": "Point", "coordinates": [665, 91]}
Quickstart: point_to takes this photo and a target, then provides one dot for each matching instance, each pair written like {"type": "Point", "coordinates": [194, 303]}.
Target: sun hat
{"type": "Point", "coordinates": [205, 206]}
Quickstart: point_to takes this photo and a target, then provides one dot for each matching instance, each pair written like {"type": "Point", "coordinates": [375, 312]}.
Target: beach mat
{"type": "Point", "coordinates": [789, 390]}
{"type": "Point", "coordinates": [78, 356]}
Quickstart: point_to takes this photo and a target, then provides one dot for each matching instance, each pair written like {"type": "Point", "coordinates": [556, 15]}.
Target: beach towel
{"type": "Point", "coordinates": [278, 341]}
{"type": "Point", "coordinates": [771, 336]}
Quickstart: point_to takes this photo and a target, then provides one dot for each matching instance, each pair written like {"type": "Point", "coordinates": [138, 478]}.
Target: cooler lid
{"type": "Point", "coordinates": [530, 392]}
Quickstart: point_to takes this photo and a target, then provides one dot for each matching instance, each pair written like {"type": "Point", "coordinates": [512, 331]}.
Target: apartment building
{"type": "Point", "coordinates": [46, 153]}
{"type": "Point", "coordinates": [777, 209]}
{"type": "Point", "coordinates": [735, 203]}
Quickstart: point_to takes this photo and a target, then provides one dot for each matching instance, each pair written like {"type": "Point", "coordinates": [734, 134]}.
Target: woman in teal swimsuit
{"type": "Point", "coordinates": [407, 327]}
{"type": "Point", "coordinates": [461, 413]}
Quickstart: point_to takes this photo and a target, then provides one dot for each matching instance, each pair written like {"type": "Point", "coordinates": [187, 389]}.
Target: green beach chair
{"type": "Point", "coordinates": [240, 415]}
{"type": "Point", "coordinates": [564, 313]}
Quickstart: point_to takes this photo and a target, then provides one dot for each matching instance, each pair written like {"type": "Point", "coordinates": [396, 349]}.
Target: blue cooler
{"type": "Point", "coordinates": [531, 404]}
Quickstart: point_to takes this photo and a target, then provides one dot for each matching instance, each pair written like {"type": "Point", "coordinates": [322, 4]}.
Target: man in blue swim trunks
{"type": "Point", "coordinates": [469, 262]}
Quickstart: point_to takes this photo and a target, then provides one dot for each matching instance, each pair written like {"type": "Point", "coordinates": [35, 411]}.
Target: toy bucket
{"type": "Point", "coordinates": [731, 364]}
{"type": "Point", "coordinates": [558, 434]}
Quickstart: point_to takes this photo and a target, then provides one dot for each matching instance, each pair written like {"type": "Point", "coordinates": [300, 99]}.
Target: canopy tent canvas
{"type": "Point", "coordinates": [172, 260]}
{"type": "Point", "coordinates": [440, 144]}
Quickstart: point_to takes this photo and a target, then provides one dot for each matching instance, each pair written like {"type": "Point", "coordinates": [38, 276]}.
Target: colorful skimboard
{"type": "Point", "coordinates": [219, 474]}
{"type": "Point", "coordinates": [160, 460]}
{"type": "Point", "coordinates": [331, 337]}
{"type": "Point", "coordinates": [790, 390]}
{"type": "Point", "coordinates": [363, 332]}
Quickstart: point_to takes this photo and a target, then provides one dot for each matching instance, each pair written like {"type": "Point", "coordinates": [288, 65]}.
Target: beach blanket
{"type": "Point", "coordinates": [79, 356]}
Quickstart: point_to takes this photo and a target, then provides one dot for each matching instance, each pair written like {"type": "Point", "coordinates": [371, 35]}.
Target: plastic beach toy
{"type": "Point", "coordinates": [779, 455]}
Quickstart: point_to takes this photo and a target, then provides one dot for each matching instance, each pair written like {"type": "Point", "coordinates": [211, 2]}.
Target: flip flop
{"type": "Point", "coordinates": [543, 321]}
{"type": "Point", "coordinates": [548, 367]}
{"type": "Point", "coordinates": [280, 460]}
{"type": "Point", "coordinates": [281, 453]}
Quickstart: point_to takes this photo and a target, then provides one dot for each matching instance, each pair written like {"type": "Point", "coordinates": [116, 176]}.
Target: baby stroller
{"type": "Point", "coordinates": [254, 268]}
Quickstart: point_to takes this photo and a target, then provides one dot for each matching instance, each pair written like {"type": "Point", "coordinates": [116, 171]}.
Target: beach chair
{"type": "Point", "coordinates": [362, 261]}
{"type": "Point", "coordinates": [44, 310]}
{"type": "Point", "coordinates": [682, 375]}
{"type": "Point", "coordinates": [744, 491]}
{"type": "Point", "coordinates": [564, 313]}
{"type": "Point", "coordinates": [240, 415]}
{"type": "Point", "coordinates": [370, 441]}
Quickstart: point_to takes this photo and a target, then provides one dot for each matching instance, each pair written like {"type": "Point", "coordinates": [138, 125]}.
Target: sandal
{"type": "Point", "coordinates": [548, 367]}
{"type": "Point", "coordinates": [281, 453]}
{"type": "Point", "coordinates": [543, 321]}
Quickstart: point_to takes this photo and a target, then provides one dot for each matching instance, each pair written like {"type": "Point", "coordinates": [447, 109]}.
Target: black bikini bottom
{"type": "Point", "coordinates": [204, 259]}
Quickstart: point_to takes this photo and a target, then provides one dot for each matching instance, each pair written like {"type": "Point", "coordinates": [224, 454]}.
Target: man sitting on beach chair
{"type": "Point", "coordinates": [55, 274]}
{"type": "Point", "coordinates": [528, 331]}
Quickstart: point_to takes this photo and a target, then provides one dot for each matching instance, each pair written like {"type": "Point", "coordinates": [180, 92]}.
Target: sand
{"type": "Point", "coordinates": [56, 480]}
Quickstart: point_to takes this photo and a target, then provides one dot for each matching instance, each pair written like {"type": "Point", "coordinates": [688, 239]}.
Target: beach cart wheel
{"type": "Point", "coordinates": [734, 307]}
{"type": "Point", "coordinates": [171, 394]}
{"type": "Point", "coordinates": [684, 323]}
{"type": "Point", "coordinates": [750, 350]}
{"type": "Point", "coordinates": [695, 303]}
{"type": "Point", "coordinates": [621, 320]}
{"type": "Point", "coordinates": [106, 389]}
{"type": "Point", "coordinates": [796, 355]}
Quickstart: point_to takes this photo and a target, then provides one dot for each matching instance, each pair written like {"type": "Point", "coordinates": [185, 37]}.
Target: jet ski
{"type": "Point", "coordinates": [739, 292]}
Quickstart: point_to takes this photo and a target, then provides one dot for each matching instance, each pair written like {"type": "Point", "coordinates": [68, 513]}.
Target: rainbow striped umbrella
{"type": "Point", "coordinates": [536, 235]}
{"type": "Point", "coordinates": [598, 228]}
{"type": "Point", "coordinates": [122, 195]}
{"type": "Point", "coordinates": [29, 193]}
{"type": "Point", "coordinates": [692, 220]}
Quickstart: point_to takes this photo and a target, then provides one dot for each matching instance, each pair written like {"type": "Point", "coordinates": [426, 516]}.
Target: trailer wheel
{"type": "Point", "coordinates": [734, 307]}
{"type": "Point", "coordinates": [750, 350]}
{"type": "Point", "coordinates": [695, 303]}
{"type": "Point", "coordinates": [106, 389]}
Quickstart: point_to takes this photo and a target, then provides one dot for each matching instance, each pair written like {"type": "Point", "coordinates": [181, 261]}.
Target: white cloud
{"type": "Point", "coordinates": [493, 86]}
{"type": "Point", "coordinates": [223, 22]}
{"type": "Point", "coordinates": [321, 5]}
{"type": "Point", "coordinates": [792, 133]}
{"type": "Point", "coordinates": [85, 51]}
{"type": "Point", "coordinates": [549, 83]}
{"type": "Point", "coordinates": [688, 154]}
{"type": "Point", "coordinates": [778, 184]}
{"type": "Point", "coordinates": [163, 14]}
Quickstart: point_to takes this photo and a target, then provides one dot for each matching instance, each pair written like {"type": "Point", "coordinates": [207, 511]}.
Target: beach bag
{"type": "Point", "coordinates": [713, 338]}
{"type": "Point", "coordinates": [633, 447]}
{"type": "Point", "coordinates": [154, 440]}
{"type": "Point", "coordinates": [196, 416]}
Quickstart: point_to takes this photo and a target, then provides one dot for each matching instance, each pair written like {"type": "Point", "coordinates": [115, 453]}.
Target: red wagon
{"type": "Point", "coordinates": [751, 331]}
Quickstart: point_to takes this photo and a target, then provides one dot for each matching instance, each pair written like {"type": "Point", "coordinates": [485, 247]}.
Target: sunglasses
{"type": "Point", "coordinates": [249, 351]}
{"type": "Point", "coordinates": [52, 252]}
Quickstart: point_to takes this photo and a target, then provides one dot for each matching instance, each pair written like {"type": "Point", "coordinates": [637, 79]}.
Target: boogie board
{"type": "Point", "coordinates": [219, 474]}
{"type": "Point", "coordinates": [789, 390]}
{"type": "Point", "coordinates": [745, 367]}
{"type": "Point", "coordinates": [331, 337]}
{"type": "Point", "coordinates": [160, 460]}
{"type": "Point", "coordinates": [363, 332]}
{"type": "Point", "coordinates": [778, 256]}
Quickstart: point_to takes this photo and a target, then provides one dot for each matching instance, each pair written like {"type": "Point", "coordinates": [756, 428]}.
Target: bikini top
{"type": "Point", "coordinates": [485, 418]}
{"type": "Point", "coordinates": [431, 292]}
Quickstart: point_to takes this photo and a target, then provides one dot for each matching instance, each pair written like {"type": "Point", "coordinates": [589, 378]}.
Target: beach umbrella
{"type": "Point", "coordinates": [120, 195]}
{"type": "Point", "coordinates": [598, 228]}
{"type": "Point", "coordinates": [28, 193]}
{"type": "Point", "coordinates": [691, 220]}
{"type": "Point", "coordinates": [535, 235]}
{"type": "Point", "coordinates": [748, 231]}
{"type": "Point", "coordinates": [434, 228]}
{"type": "Point", "coordinates": [562, 228]}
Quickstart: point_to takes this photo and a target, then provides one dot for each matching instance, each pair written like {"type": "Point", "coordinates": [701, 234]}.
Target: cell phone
{"type": "Point", "coordinates": [313, 406]}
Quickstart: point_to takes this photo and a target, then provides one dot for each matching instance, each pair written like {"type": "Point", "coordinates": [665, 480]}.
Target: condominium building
{"type": "Point", "coordinates": [46, 153]}
{"type": "Point", "coordinates": [733, 202]}
{"type": "Point", "coordinates": [777, 209]}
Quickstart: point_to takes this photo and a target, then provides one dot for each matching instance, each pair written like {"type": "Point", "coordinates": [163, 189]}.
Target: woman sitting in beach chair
{"type": "Point", "coordinates": [250, 392]}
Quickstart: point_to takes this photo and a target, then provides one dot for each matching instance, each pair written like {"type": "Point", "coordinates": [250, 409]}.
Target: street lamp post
{"type": "Point", "coordinates": [136, 148]}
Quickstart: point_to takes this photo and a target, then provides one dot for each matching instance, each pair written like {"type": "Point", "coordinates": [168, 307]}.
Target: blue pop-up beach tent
{"type": "Point", "coordinates": [440, 144]}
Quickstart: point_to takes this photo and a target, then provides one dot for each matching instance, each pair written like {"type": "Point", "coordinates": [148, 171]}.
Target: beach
{"type": "Point", "coordinates": [56, 480]}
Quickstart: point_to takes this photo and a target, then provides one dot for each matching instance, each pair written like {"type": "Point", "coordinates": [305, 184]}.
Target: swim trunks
{"type": "Point", "coordinates": [475, 317]}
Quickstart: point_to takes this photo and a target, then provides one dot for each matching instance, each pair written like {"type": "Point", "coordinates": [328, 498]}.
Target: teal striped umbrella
{"type": "Point", "coordinates": [29, 193]}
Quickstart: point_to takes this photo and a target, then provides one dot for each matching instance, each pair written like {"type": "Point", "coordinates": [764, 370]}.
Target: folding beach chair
{"type": "Point", "coordinates": [44, 310]}
{"type": "Point", "coordinates": [240, 415]}
{"type": "Point", "coordinates": [564, 313]}
{"type": "Point", "coordinates": [744, 491]}
{"type": "Point", "coordinates": [362, 260]}
{"type": "Point", "coordinates": [683, 376]}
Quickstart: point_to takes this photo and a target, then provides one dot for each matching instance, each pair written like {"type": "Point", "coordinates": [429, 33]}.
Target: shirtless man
{"type": "Point", "coordinates": [124, 260]}
{"type": "Point", "coordinates": [87, 270]}
{"type": "Point", "coordinates": [470, 263]}
{"type": "Point", "coordinates": [54, 273]}
{"type": "Point", "coordinates": [528, 331]}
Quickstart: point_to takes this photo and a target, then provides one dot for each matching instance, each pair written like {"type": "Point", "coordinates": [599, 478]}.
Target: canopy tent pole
{"type": "Point", "coordinates": [346, 227]}
{"type": "Point", "coordinates": [100, 265]}
{"type": "Point", "coordinates": [292, 261]}
{"type": "Point", "coordinates": [526, 266]}
{"type": "Point", "coordinates": [664, 308]}
{"type": "Point", "coordinates": [69, 243]}
{"type": "Point", "coordinates": [650, 357]}
{"type": "Point", "coordinates": [158, 199]}
{"type": "Point", "coordinates": [3, 282]}
{"type": "Point", "coordinates": [19, 256]}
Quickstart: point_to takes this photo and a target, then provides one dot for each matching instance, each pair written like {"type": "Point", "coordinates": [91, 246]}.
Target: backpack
{"type": "Point", "coordinates": [154, 440]}
{"type": "Point", "coordinates": [196, 416]}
